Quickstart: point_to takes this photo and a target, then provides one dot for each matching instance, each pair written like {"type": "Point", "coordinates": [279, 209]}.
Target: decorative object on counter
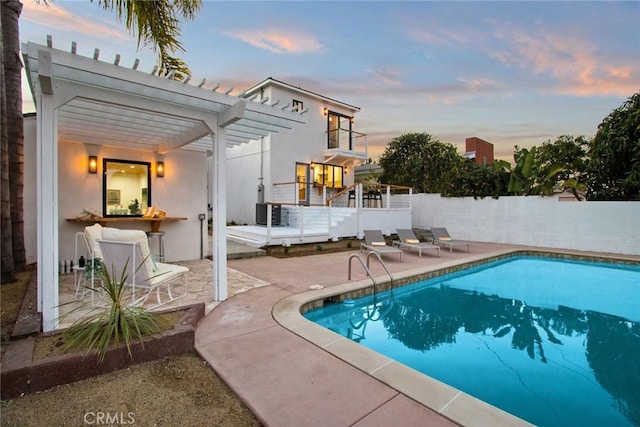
{"type": "Point", "coordinates": [88, 214]}
{"type": "Point", "coordinates": [153, 212]}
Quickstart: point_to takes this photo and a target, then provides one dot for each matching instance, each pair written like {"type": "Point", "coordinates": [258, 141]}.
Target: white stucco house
{"type": "Point", "coordinates": [304, 179]}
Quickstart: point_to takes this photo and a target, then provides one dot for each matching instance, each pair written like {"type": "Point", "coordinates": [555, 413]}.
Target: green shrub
{"type": "Point", "coordinates": [114, 323]}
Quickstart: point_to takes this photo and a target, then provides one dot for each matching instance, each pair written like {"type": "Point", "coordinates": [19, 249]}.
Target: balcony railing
{"type": "Point", "coordinates": [369, 195]}
{"type": "Point", "coordinates": [344, 140]}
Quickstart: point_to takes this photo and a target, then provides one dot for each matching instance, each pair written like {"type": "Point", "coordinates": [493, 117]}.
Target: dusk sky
{"type": "Point", "coordinates": [511, 73]}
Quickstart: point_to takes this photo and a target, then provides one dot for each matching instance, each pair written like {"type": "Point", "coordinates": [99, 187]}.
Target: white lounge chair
{"type": "Point", "coordinates": [143, 275]}
{"type": "Point", "coordinates": [375, 243]}
{"type": "Point", "coordinates": [441, 237]}
{"type": "Point", "coordinates": [408, 240]}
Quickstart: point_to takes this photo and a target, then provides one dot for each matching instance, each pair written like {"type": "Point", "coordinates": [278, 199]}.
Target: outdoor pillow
{"type": "Point", "coordinates": [444, 238]}
{"type": "Point", "coordinates": [378, 244]}
{"type": "Point", "coordinates": [93, 233]}
{"type": "Point", "coordinates": [139, 236]}
{"type": "Point", "coordinates": [413, 241]}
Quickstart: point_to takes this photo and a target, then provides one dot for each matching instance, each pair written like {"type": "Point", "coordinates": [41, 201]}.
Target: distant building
{"type": "Point", "coordinates": [479, 150]}
{"type": "Point", "coordinates": [368, 172]}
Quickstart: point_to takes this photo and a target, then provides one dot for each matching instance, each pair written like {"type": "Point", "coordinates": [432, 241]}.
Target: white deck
{"type": "Point", "coordinates": [314, 225]}
{"type": "Point", "coordinates": [258, 236]}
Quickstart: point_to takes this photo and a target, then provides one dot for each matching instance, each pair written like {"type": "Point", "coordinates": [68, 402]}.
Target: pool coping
{"type": "Point", "coordinates": [445, 400]}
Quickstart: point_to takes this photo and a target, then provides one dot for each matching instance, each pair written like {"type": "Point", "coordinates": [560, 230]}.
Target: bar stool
{"type": "Point", "coordinates": [374, 196]}
{"type": "Point", "coordinates": [160, 236]}
{"type": "Point", "coordinates": [352, 196]}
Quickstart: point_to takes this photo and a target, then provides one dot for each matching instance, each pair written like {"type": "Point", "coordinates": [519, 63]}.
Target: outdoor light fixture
{"type": "Point", "coordinates": [325, 111]}
{"type": "Point", "coordinates": [160, 169]}
{"type": "Point", "coordinates": [93, 164]}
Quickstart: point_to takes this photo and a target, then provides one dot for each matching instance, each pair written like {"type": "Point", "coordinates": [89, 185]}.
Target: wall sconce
{"type": "Point", "coordinates": [325, 111]}
{"type": "Point", "coordinates": [93, 164]}
{"type": "Point", "coordinates": [160, 169]}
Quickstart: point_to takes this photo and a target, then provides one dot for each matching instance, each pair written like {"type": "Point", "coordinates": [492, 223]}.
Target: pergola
{"type": "Point", "coordinates": [86, 100]}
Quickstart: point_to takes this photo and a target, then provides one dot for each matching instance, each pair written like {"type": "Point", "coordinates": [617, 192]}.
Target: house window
{"type": "Point", "coordinates": [339, 131]}
{"type": "Point", "coordinates": [329, 175]}
{"type": "Point", "coordinates": [297, 105]}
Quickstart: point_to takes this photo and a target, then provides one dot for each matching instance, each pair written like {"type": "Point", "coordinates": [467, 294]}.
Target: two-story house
{"type": "Point", "coordinates": [321, 152]}
{"type": "Point", "coordinates": [304, 177]}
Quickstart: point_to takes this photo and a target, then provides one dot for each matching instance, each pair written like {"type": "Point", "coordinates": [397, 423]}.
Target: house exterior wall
{"type": "Point", "coordinates": [304, 143]}
{"type": "Point", "coordinates": [181, 193]}
{"type": "Point", "coordinates": [30, 193]}
{"type": "Point", "coordinates": [537, 221]}
{"type": "Point", "coordinates": [243, 173]}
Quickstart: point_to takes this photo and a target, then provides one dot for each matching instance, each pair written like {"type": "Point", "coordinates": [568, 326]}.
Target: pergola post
{"type": "Point", "coordinates": [47, 196]}
{"type": "Point", "coordinates": [219, 215]}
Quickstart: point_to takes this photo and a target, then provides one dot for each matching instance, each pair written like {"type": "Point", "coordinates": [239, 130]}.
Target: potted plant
{"type": "Point", "coordinates": [134, 207]}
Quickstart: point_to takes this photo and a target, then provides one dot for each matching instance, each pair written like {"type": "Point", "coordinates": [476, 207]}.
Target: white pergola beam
{"type": "Point", "coordinates": [232, 114]}
{"type": "Point", "coordinates": [183, 139]}
{"type": "Point", "coordinates": [45, 72]}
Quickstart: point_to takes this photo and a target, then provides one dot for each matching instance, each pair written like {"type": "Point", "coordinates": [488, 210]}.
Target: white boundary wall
{"type": "Point", "coordinates": [536, 221]}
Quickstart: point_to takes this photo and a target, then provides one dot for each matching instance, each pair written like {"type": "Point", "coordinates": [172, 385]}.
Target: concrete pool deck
{"type": "Point", "coordinates": [290, 375]}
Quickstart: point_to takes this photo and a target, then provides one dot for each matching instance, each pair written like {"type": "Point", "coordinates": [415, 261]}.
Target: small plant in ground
{"type": "Point", "coordinates": [319, 248]}
{"type": "Point", "coordinates": [114, 323]}
{"type": "Point", "coordinates": [349, 244]}
{"type": "Point", "coordinates": [286, 249]}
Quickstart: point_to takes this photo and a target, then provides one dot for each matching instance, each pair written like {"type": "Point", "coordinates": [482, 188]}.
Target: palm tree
{"type": "Point", "coordinates": [13, 252]}
{"type": "Point", "coordinates": [156, 23]}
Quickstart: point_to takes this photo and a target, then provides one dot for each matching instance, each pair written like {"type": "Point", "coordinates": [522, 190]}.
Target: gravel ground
{"type": "Point", "coordinates": [174, 391]}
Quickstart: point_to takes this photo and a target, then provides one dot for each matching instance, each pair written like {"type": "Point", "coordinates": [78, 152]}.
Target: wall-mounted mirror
{"type": "Point", "coordinates": [126, 187]}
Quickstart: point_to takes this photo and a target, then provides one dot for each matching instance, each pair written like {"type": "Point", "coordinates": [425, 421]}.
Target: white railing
{"type": "Point", "coordinates": [346, 140]}
{"type": "Point", "coordinates": [343, 213]}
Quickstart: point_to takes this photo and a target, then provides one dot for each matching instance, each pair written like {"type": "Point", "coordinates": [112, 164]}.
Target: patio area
{"type": "Point", "coordinates": [285, 379]}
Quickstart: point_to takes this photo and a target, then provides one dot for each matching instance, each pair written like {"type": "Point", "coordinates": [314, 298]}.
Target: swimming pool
{"type": "Point", "coordinates": [517, 334]}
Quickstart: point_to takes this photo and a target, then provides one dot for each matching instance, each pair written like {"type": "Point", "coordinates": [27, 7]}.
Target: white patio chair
{"type": "Point", "coordinates": [143, 275]}
{"type": "Point", "coordinates": [86, 244]}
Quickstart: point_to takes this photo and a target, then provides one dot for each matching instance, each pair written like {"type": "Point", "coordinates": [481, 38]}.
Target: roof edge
{"type": "Point", "coordinates": [276, 82]}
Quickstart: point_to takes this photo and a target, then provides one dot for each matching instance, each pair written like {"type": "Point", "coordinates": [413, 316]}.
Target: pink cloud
{"type": "Point", "coordinates": [57, 17]}
{"type": "Point", "coordinates": [575, 64]}
{"type": "Point", "coordinates": [279, 41]}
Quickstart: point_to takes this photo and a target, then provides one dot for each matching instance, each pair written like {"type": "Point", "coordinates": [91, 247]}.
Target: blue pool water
{"type": "Point", "coordinates": [551, 341]}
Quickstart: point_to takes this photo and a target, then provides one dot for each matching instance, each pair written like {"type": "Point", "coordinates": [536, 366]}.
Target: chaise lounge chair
{"type": "Point", "coordinates": [441, 237]}
{"type": "Point", "coordinates": [143, 274]}
{"type": "Point", "coordinates": [375, 243]}
{"type": "Point", "coordinates": [408, 240]}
